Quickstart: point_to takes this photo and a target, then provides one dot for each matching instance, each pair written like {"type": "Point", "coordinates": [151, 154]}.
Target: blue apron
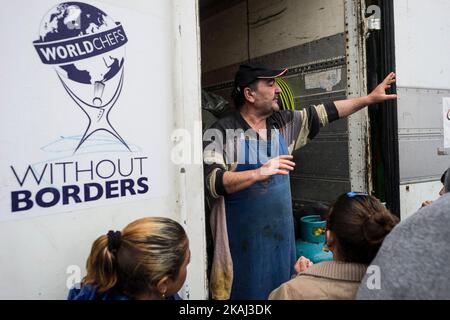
{"type": "Point", "coordinates": [260, 225]}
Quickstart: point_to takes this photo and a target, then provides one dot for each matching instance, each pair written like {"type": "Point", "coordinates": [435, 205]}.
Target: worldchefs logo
{"type": "Point", "coordinates": [86, 48]}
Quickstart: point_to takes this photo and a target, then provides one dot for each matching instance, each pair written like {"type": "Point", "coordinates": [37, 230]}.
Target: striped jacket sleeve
{"type": "Point", "coordinates": [300, 126]}
{"type": "Point", "coordinates": [216, 160]}
{"type": "Point", "coordinates": [214, 164]}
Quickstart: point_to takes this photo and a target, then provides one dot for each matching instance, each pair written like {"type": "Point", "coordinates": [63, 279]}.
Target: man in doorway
{"type": "Point", "coordinates": [247, 167]}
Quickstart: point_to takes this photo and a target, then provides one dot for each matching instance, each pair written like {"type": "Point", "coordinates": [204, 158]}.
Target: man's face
{"type": "Point", "coordinates": [266, 96]}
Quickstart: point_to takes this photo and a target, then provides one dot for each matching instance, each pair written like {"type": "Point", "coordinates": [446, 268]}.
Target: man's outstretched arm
{"type": "Point", "coordinates": [350, 106]}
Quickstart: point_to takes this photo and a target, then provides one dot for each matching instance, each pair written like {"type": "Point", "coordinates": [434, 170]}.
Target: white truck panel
{"type": "Point", "coordinates": [423, 79]}
{"type": "Point", "coordinates": [421, 43]}
{"type": "Point", "coordinates": [44, 246]}
{"type": "Point", "coordinates": [413, 195]}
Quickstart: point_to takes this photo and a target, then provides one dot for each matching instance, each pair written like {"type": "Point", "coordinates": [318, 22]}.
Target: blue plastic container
{"type": "Point", "coordinates": [312, 243]}
{"type": "Point", "coordinates": [313, 229]}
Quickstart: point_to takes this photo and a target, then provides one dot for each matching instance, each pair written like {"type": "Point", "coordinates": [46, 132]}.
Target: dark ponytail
{"type": "Point", "coordinates": [360, 224]}
{"type": "Point", "coordinates": [101, 266]}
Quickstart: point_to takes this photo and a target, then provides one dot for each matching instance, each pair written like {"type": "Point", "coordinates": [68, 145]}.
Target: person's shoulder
{"type": "Point", "coordinates": [282, 114]}
{"type": "Point", "coordinates": [437, 208]}
{"type": "Point", "coordinates": [282, 117]}
{"type": "Point", "coordinates": [230, 121]}
{"type": "Point", "coordinates": [425, 224]}
{"type": "Point", "coordinates": [89, 292]}
{"type": "Point", "coordinates": [82, 292]}
{"type": "Point", "coordinates": [301, 287]}
{"type": "Point", "coordinates": [284, 292]}
{"type": "Point", "coordinates": [435, 214]}
{"type": "Point", "coordinates": [176, 296]}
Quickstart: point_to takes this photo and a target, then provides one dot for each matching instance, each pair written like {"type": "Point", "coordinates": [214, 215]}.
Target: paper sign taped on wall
{"type": "Point", "coordinates": [323, 80]}
{"type": "Point", "coordinates": [446, 120]}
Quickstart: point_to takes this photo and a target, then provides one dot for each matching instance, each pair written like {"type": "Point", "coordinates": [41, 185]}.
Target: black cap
{"type": "Point", "coordinates": [250, 72]}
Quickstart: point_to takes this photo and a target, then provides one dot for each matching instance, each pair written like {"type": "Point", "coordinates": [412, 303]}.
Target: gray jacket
{"type": "Point", "coordinates": [414, 259]}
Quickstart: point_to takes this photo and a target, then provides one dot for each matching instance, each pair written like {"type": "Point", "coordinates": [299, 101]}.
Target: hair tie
{"type": "Point", "coordinates": [114, 240]}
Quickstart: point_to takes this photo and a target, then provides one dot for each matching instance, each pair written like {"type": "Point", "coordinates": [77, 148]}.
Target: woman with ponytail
{"type": "Point", "coordinates": [145, 261]}
{"type": "Point", "coordinates": [357, 224]}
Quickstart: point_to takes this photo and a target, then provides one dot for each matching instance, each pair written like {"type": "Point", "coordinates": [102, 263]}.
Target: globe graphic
{"type": "Point", "coordinates": [76, 19]}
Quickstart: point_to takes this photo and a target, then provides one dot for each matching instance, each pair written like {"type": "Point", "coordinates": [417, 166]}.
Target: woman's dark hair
{"type": "Point", "coordinates": [360, 223]}
{"type": "Point", "coordinates": [238, 94]}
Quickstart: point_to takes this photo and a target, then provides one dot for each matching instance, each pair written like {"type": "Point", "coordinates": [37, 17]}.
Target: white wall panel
{"type": "Point", "coordinates": [38, 119]}
{"type": "Point", "coordinates": [422, 43]}
{"type": "Point", "coordinates": [413, 195]}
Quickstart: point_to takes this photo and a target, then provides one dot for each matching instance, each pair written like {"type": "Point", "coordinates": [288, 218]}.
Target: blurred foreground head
{"type": "Point", "coordinates": [357, 225]}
